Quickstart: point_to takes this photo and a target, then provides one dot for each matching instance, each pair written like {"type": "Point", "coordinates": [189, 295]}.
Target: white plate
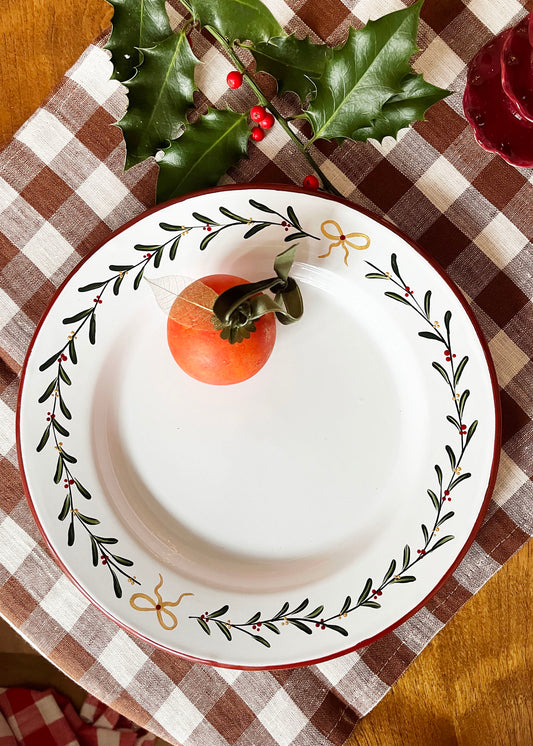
{"type": "Point", "coordinates": [295, 516]}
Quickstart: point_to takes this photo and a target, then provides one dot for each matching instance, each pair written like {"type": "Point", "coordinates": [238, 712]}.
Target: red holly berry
{"type": "Point", "coordinates": [311, 182]}
{"type": "Point", "coordinates": [267, 121]}
{"type": "Point", "coordinates": [257, 134]}
{"type": "Point", "coordinates": [257, 113]}
{"type": "Point", "coordinates": [234, 79]}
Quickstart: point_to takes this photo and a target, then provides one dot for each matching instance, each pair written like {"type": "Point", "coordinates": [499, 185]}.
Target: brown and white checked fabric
{"type": "Point", "coordinates": [62, 191]}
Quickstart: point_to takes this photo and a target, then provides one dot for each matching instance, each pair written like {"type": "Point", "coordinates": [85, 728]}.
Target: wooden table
{"type": "Point", "coordinates": [473, 684]}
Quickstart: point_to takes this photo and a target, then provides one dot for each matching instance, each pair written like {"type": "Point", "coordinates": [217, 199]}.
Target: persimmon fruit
{"type": "Point", "coordinates": [196, 344]}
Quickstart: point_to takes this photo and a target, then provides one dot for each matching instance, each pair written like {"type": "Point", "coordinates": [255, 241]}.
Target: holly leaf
{"type": "Point", "coordinates": [410, 105]}
{"type": "Point", "coordinates": [203, 153]}
{"type": "Point", "coordinates": [363, 74]}
{"type": "Point", "coordinates": [136, 24]}
{"type": "Point", "coordinates": [294, 63]}
{"type": "Point", "coordinates": [236, 19]}
{"type": "Point", "coordinates": [159, 97]}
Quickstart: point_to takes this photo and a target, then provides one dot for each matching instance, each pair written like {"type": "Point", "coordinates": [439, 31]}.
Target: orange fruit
{"type": "Point", "coordinates": [198, 348]}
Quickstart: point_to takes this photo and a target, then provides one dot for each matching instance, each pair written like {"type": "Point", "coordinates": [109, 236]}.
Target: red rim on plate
{"type": "Point", "coordinates": [495, 457]}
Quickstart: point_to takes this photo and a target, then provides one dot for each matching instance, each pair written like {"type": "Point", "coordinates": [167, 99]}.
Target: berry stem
{"type": "Point", "coordinates": [279, 117]}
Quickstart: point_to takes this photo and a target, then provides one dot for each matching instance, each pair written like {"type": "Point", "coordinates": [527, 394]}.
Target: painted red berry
{"type": "Point", "coordinates": [234, 79]}
{"type": "Point", "coordinates": [257, 134]}
{"type": "Point", "coordinates": [267, 121]}
{"type": "Point", "coordinates": [257, 113]}
{"type": "Point", "coordinates": [311, 182]}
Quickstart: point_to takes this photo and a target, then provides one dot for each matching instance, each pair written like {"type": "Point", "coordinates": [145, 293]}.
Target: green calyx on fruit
{"type": "Point", "coordinates": [236, 310]}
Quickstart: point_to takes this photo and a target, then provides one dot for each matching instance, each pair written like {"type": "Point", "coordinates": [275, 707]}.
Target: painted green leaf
{"type": "Point", "coordinates": [67, 457]}
{"type": "Point", "coordinates": [294, 63]}
{"type": "Point", "coordinates": [71, 534]}
{"type": "Point", "coordinates": [390, 571]}
{"type": "Point", "coordinates": [59, 469]}
{"type": "Point", "coordinates": [446, 517]}
{"type": "Point", "coordinates": [232, 215]}
{"type": "Point", "coordinates": [462, 401]}
{"type": "Point", "coordinates": [222, 627]}
{"type": "Point", "coordinates": [405, 579]}
{"type": "Point", "coordinates": [313, 614]}
{"type": "Point", "coordinates": [430, 335]}
{"type": "Point", "coordinates": [91, 286]}
{"type": "Point", "coordinates": [136, 23]}
{"type": "Point", "coordinates": [365, 592]}
{"type": "Point", "coordinates": [301, 626]}
{"type": "Point", "coordinates": [122, 560]}
{"type": "Point", "coordinates": [65, 510]}
{"type": "Point", "coordinates": [204, 625]}
{"type": "Point", "coordinates": [94, 551]}
{"type": "Point", "coordinates": [219, 612]}
{"type": "Point", "coordinates": [64, 408]}
{"type": "Point", "coordinates": [439, 473]}
{"type": "Point", "coordinates": [159, 97]}
{"type": "Point", "coordinates": [82, 490]}
{"type": "Point", "coordinates": [174, 248]}
{"type": "Point", "coordinates": [434, 499]}
{"type": "Point", "coordinates": [406, 556]}
{"type": "Point", "coordinates": [300, 607]}
{"type": "Point", "coordinates": [44, 439]}
{"type": "Point", "coordinates": [425, 532]}
{"type": "Point", "coordinates": [60, 429]}
{"type": "Point", "coordinates": [106, 540]}
{"type": "Point", "coordinates": [138, 279]}
{"type": "Point", "coordinates": [427, 303]}
{"type": "Point", "coordinates": [397, 297]}
{"type": "Point", "coordinates": [243, 20]}
{"type": "Point", "coordinates": [451, 456]}
{"type": "Point", "coordinates": [50, 361]}
{"type": "Point", "coordinates": [255, 229]}
{"type": "Point", "coordinates": [407, 106]}
{"type": "Point", "coordinates": [459, 479]}
{"type": "Point", "coordinates": [284, 609]}
{"type": "Point", "coordinates": [453, 421]}
{"type": "Point", "coordinates": [460, 369]}
{"type": "Point", "coordinates": [203, 153]}
{"type": "Point", "coordinates": [253, 619]}
{"type": "Point", "coordinates": [72, 351]}
{"type": "Point", "coordinates": [271, 627]}
{"type": "Point", "coordinates": [440, 542]}
{"type": "Point", "coordinates": [64, 375]}
{"type": "Point", "coordinates": [116, 585]}
{"type": "Point", "coordinates": [48, 391]}
{"type": "Point", "coordinates": [78, 316]}
{"type": "Point", "coordinates": [262, 640]}
{"type": "Point", "coordinates": [263, 208]}
{"type": "Point", "coordinates": [336, 628]}
{"type": "Point", "coordinates": [372, 604]}
{"type": "Point", "coordinates": [438, 367]}
{"type": "Point", "coordinates": [88, 520]}
{"type": "Point", "coordinates": [363, 74]}
{"type": "Point", "coordinates": [203, 219]}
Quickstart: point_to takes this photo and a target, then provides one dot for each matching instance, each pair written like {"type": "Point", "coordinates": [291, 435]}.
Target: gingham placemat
{"type": "Point", "coordinates": [62, 191]}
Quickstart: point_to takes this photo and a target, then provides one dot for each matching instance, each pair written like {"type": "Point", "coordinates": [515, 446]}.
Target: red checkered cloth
{"type": "Point", "coordinates": [62, 191]}
{"type": "Point", "coordinates": [33, 718]}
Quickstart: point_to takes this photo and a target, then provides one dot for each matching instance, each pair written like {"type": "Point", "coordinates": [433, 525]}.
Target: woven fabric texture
{"type": "Point", "coordinates": [62, 191]}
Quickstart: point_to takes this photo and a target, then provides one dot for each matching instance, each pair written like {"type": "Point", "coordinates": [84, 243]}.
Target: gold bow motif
{"type": "Point", "coordinates": [341, 239]}
{"type": "Point", "coordinates": [158, 605]}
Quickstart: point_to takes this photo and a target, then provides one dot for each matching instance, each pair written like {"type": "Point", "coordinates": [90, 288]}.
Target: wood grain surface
{"type": "Point", "coordinates": [473, 684]}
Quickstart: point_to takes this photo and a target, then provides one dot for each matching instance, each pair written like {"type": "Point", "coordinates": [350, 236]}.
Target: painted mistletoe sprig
{"type": "Point", "coordinates": [361, 89]}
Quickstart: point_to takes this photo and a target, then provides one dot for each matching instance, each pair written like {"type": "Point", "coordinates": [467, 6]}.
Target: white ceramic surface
{"type": "Point", "coordinates": [309, 481]}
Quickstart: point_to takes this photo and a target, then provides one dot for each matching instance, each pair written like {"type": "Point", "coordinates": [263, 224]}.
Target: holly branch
{"type": "Point", "coordinates": [362, 89]}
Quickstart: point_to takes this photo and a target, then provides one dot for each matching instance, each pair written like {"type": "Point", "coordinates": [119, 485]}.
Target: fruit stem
{"type": "Point", "coordinates": [278, 116]}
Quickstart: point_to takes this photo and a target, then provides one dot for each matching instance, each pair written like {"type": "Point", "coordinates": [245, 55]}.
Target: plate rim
{"type": "Point", "coordinates": [488, 361]}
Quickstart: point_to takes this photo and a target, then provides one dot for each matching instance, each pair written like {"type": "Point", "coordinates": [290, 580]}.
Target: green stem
{"type": "Point", "coordinates": [277, 115]}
